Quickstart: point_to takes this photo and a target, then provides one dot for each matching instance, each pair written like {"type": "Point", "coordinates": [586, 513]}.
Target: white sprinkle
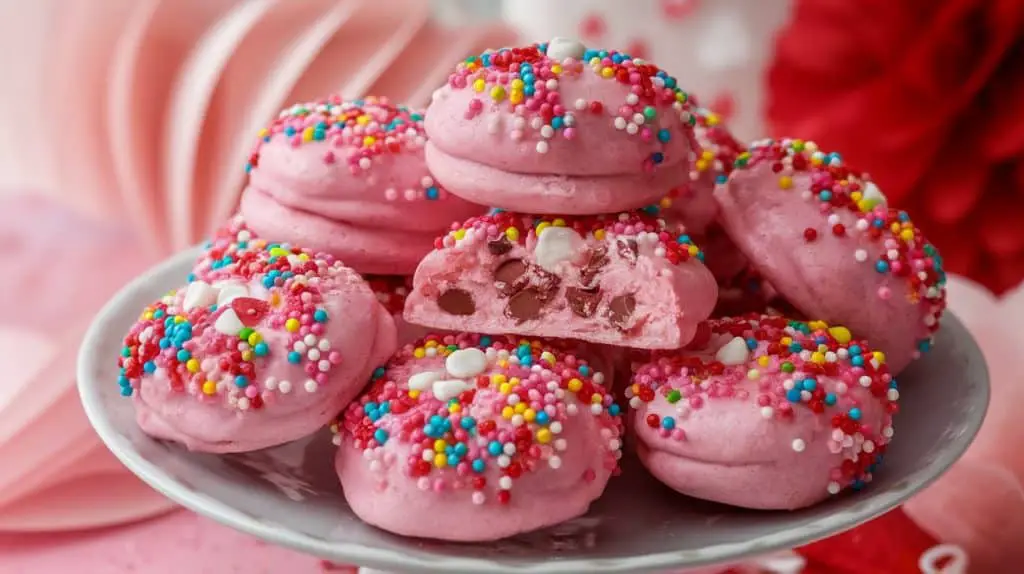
{"type": "Point", "coordinates": [479, 498]}
{"type": "Point", "coordinates": [551, 84]}
{"type": "Point", "coordinates": [560, 445]}
{"type": "Point", "coordinates": [862, 225]}
{"type": "Point", "coordinates": [428, 455]}
{"type": "Point", "coordinates": [323, 365]}
{"type": "Point", "coordinates": [518, 420]}
{"type": "Point", "coordinates": [868, 446]}
{"type": "Point", "coordinates": [833, 219]}
{"type": "Point", "coordinates": [555, 427]}
{"type": "Point", "coordinates": [504, 461]}
{"type": "Point", "coordinates": [270, 383]}
{"type": "Point", "coordinates": [834, 488]}
{"type": "Point", "coordinates": [536, 123]}
{"type": "Point", "coordinates": [632, 129]}
{"type": "Point", "coordinates": [547, 132]}
{"type": "Point", "coordinates": [243, 404]}
{"type": "Point", "coordinates": [310, 386]}
{"type": "Point", "coordinates": [893, 395]}
{"type": "Point", "coordinates": [860, 255]}
{"type": "Point", "coordinates": [365, 163]}
{"type": "Point", "coordinates": [581, 104]}
{"type": "Point", "coordinates": [555, 461]}
{"type": "Point", "coordinates": [542, 147]}
{"type": "Point", "coordinates": [632, 99]}
{"type": "Point", "coordinates": [887, 432]}
{"type": "Point", "coordinates": [788, 384]}
{"type": "Point", "coordinates": [509, 448]}
{"type": "Point", "coordinates": [285, 387]}
{"type": "Point", "coordinates": [313, 354]}
{"type": "Point", "coordinates": [639, 119]}
{"type": "Point", "coordinates": [864, 380]}
{"type": "Point", "coordinates": [505, 482]}
{"type": "Point", "coordinates": [598, 378]}
{"type": "Point", "coordinates": [561, 48]}
{"type": "Point", "coordinates": [555, 246]}
{"type": "Point", "coordinates": [799, 445]}
{"type": "Point", "coordinates": [767, 412]}
{"type": "Point", "coordinates": [620, 123]}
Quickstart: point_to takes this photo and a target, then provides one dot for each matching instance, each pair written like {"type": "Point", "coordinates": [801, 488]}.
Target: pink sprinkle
{"type": "Point", "coordinates": [589, 475]}
{"type": "Point", "coordinates": [329, 157]}
{"type": "Point", "coordinates": [334, 357]}
{"type": "Point", "coordinates": [884, 293]}
{"type": "Point", "coordinates": [251, 391]}
{"type": "Point", "coordinates": [569, 133]}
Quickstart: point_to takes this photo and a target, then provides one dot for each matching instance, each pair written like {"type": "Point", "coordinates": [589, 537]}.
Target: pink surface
{"type": "Point", "coordinates": [554, 455]}
{"type": "Point", "coordinates": [611, 280]}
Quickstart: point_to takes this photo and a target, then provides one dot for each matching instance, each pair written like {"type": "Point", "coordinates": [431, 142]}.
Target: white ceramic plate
{"type": "Point", "coordinates": [289, 495]}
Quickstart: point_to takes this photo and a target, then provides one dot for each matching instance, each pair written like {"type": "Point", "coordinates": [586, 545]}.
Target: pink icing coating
{"type": "Point", "coordinates": [766, 413]}
{"type": "Point", "coordinates": [626, 282]}
{"type": "Point", "coordinates": [262, 347]}
{"type": "Point", "coordinates": [802, 219]}
{"type": "Point", "coordinates": [529, 440]}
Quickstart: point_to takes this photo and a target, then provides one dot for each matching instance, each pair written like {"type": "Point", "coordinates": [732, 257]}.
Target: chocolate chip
{"type": "Point", "coordinates": [627, 249]}
{"type": "Point", "coordinates": [598, 259]}
{"type": "Point", "coordinates": [583, 302]}
{"type": "Point", "coordinates": [524, 305]}
{"type": "Point", "coordinates": [507, 276]}
{"type": "Point", "coordinates": [543, 282]}
{"type": "Point", "coordinates": [620, 310]}
{"type": "Point", "coordinates": [457, 302]}
{"type": "Point", "coordinates": [499, 246]}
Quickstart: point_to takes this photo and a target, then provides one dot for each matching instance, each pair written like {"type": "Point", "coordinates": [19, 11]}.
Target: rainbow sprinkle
{"type": "Point", "coordinates": [357, 134]}
{"type": "Point", "coordinates": [211, 339]}
{"type": "Point", "coordinates": [791, 365]}
{"type": "Point", "coordinates": [498, 424]}
{"type": "Point", "coordinates": [836, 188]}
{"type": "Point", "coordinates": [526, 82]}
{"type": "Point", "coordinates": [520, 228]}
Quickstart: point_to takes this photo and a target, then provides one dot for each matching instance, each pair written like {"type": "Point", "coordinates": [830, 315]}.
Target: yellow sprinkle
{"type": "Point", "coordinates": [419, 352]}
{"type": "Point", "coordinates": [548, 357]}
{"type": "Point", "coordinates": [599, 234]}
{"type": "Point", "coordinates": [681, 97]}
{"type": "Point", "coordinates": [454, 408]}
{"type": "Point", "coordinates": [516, 97]}
{"type": "Point", "coordinates": [479, 84]}
{"type": "Point", "coordinates": [543, 436]}
{"type": "Point", "coordinates": [498, 378]}
{"type": "Point", "coordinates": [512, 233]}
{"type": "Point", "coordinates": [817, 357]}
{"type": "Point", "coordinates": [763, 361]}
{"type": "Point", "coordinates": [439, 445]}
{"type": "Point", "coordinates": [785, 182]}
{"type": "Point", "coordinates": [497, 93]}
{"type": "Point", "coordinates": [529, 415]}
{"type": "Point", "coordinates": [210, 387]}
{"type": "Point", "coordinates": [753, 374]}
{"type": "Point", "coordinates": [264, 133]}
{"type": "Point", "coordinates": [855, 195]}
{"type": "Point", "coordinates": [369, 141]}
{"type": "Point", "coordinates": [541, 227]}
{"type": "Point", "coordinates": [665, 203]}
{"type": "Point", "coordinates": [275, 299]}
{"type": "Point", "coordinates": [192, 365]}
{"type": "Point", "coordinates": [255, 339]}
{"type": "Point", "coordinates": [864, 206]}
{"type": "Point", "coordinates": [148, 315]}
{"type": "Point", "coordinates": [895, 227]}
{"type": "Point", "coordinates": [363, 120]}
{"type": "Point", "coordinates": [879, 356]}
{"type": "Point", "coordinates": [278, 252]}
{"type": "Point", "coordinates": [595, 61]}
{"type": "Point", "coordinates": [596, 398]}
{"type": "Point", "coordinates": [307, 134]}
{"type": "Point", "coordinates": [798, 145]}
{"type": "Point", "coordinates": [556, 69]}
{"type": "Point", "coordinates": [840, 334]}
{"type": "Point", "coordinates": [291, 325]}
{"type": "Point", "coordinates": [607, 72]}
{"type": "Point", "coordinates": [459, 234]}
{"type": "Point", "coordinates": [693, 250]}
{"type": "Point", "coordinates": [179, 319]}
{"type": "Point", "coordinates": [414, 394]}
{"type": "Point", "coordinates": [520, 408]}
{"type": "Point", "coordinates": [701, 165]}
{"type": "Point", "coordinates": [303, 256]}
{"type": "Point", "coordinates": [712, 119]}
{"type": "Point", "coordinates": [558, 222]}
{"type": "Point", "coordinates": [743, 156]}
{"type": "Point", "coordinates": [575, 385]}
{"type": "Point", "coordinates": [786, 340]}
{"type": "Point", "coordinates": [440, 460]}
{"type": "Point", "coordinates": [513, 381]}
{"type": "Point", "coordinates": [707, 155]}
{"type": "Point", "coordinates": [430, 344]}
{"type": "Point", "coordinates": [517, 84]}
{"type": "Point", "coordinates": [504, 388]}
{"type": "Point", "coordinates": [247, 355]}
{"type": "Point", "coordinates": [907, 234]}
{"type": "Point", "coordinates": [507, 412]}
{"type": "Point", "coordinates": [502, 364]}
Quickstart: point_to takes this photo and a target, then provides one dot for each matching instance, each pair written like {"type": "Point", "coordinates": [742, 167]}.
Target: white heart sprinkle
{"type": "Point", "coordinates": [228, 323]}
{"type": "Point", "coordinates": [735, 352]}
{"type": "Point", "coordinates": [562, 48]}
{"type": "Point", "coordinates": [422, 381]}
{"type": "Point", "coordinates": [231, 291]}
{"type": "Point", "coordinates": [199, 294]}
{"type": "Point", "coordinates": [466, 363]}
{"type": "Point", "coordinates": [448, 389]}
{"type": "Point", "coordinates": [555, 245]}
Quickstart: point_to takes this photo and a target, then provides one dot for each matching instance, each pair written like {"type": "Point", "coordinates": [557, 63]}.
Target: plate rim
{"type": "Point", "coordinates": [369, 556]}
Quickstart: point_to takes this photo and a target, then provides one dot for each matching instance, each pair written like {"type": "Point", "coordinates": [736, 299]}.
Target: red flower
{"type": "Point", "coordinates": [927, 96]}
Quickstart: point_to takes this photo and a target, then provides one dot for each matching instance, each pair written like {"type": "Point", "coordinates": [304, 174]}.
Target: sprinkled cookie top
{"type": "Point", "coordinates": [357, 134]}
{"type": "Point", "coordinates": [254, 302]}
{"type": "Point", "coordinates": [783, 366]}
{"type": "Point", "coordinates": [502, 228]}
{"type": "Point", "coordinates": [476, 413]}
{"type": "Point", "coordinates": [530, 81]}
{"type": "Point", "coordinates": [718, 148]}
{"type": "Point", "coordinates": [904, 251]}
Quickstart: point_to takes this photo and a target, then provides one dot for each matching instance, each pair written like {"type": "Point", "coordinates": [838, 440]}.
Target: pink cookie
{"type": "Point", "coordinates": [822, 235]}
{"type": "Point", "coordinates": [355, 168]}
{"type": "Point", "coordinates": [764, 413]}
{"type": "Point", "coordinates": [617, 280]}
{"type": "Point", "coordinates": [693, 204]}
{"type": "Point", "coordinates": [474, 438]}
{"type": "Point", "coordinates": [391, 291]}
{"type": "Point", "coordinates": [557, 128]}
{"type": "Point", "coordinates": [263, 346]}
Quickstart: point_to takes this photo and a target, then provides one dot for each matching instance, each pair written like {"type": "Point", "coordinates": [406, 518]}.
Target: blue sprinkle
{"type": "Point", "coordinates": [557, 122]}
{"type": "Point", "coordinates": [881, 266]}
{"type": "Point", "coordinates": [668, 423]}
{"type": "Point", "coordinates": [795, 347]}
{"type": "Point", "coordinates": [320, 316]}
{"type": "Point", "coordinates": [857, 485]}
{"type": "Point", "coordinates": [825, 195]}
{"type": "Point", "coordinates": [479, 465]}
{"type": "Point", "coordinates": [857, 361]}
{"type": "Point", "coordinates": [683, 239]}
{"type": "Point", "coordinates": [378, 373]}
{"type": "Point", "coordinates": [664, 135]}
{"type": "Point", "coordinates": [485, 341]}
{"type": "Point", "coordinates": [793, 395]}
{"type": "Point", "coordinates": [467, 423]}
{"type": "Point", "coordinates": [751, 344]}
{"type": "Point", "coordinates": [289, 131]}
{"type": "Point", "coordinates": [855, 350]}
{"type": "Point", "coordinates": [380, 435]}
{"type": "Point", "coordinates": [241, 381]}
{"type": "Point", "coordinates": [614, 410]}
{"type": "Point", "coordinates": [855, 414]}
{"type": "Point", "coordinates": [295, 357]}
{"type": "Point", "coordinates": [453, 460]}
{"type": "Point", "coordinates": [126, 391]}
{"type": "Point", "coordinates": [432, 193]}
{"type": "Point", "coordinates": [657, 157]}
{"type": "Point", "coordinates": [924, 345]}
{"type": "Point", "coordinates": [494, 448]}
{"type": "Point", "coordinates": [149, 367]}
{"type": "Point", "coordinates": [461, 449]}
{"type": "Point", "coordinates": [670, 82]}
{"type": "Point", "coordinates": [165, 342]}
{"type": "Point", "coordinates": [542, 418]}
{"type": "Point", "coordinates": [809, 384]}
{"type": "Point", "coordinates": [585, 370]}
{"type": "Point", "coordinates": [830, 399]}
{"type": "Point", "coordinates": [261, 349]}
{"type": "Point", "coordinates": [720, 179]}
{"type": "Point", "coordinates": [184, 355]}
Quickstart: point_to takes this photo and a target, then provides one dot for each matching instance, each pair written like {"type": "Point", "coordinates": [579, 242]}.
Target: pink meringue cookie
{"type": "Point", "coordinates": [821, 234]}
{"type": "Point", "coordinates": [617, 280]}
{"type": "Point", "coordinates": [764, 412]}
{"type": "Point", "coordinates": [352, 172]}
{"type": "Point", "coordinates": [462, 437]}
{"type": "Point", "coordinates": [263, 346]}
{"type": "Point", "coordinates": [557, 128]}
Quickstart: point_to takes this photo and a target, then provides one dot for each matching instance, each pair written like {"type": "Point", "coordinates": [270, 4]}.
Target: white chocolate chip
{"type": "Point", "coordinates": [423, 381]}
{"type": "Point", "coordinates": [231, 291]}
{"type": "Point", "coordinates": [448, 389]}
{"type": "Point", "coordinates": [562, 48]}
{"type": "Point", "coordinates": [228, 323]}
{"type": "Point", "coordinates": [735, 352]}
{"type": "Point", "coordinates": [199, 294]}
{"type": "Point", "coordinates": [466, 363]}
{"type": "Point", "coordinates": [555, 245]}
